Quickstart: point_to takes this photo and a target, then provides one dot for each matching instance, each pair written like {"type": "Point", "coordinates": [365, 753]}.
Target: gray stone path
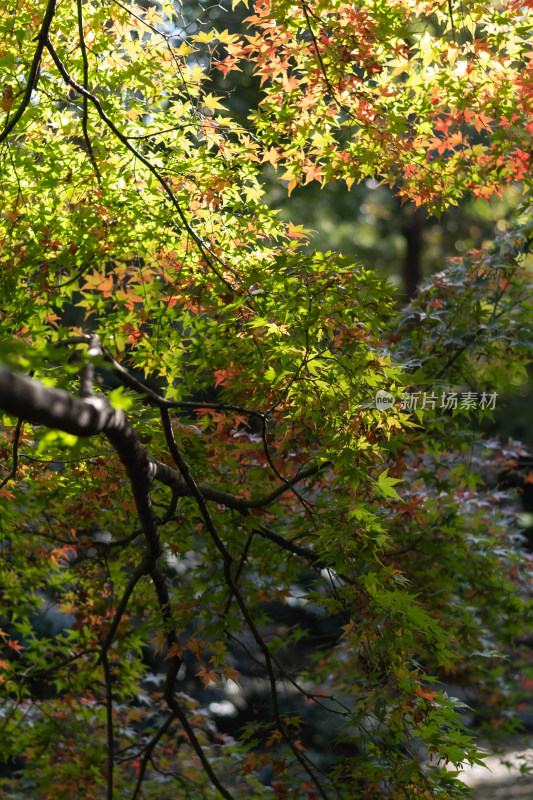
{"type": "Point", "coordinates": [518, 790]}
{"type": "Point", "coordinates": [502, 782]}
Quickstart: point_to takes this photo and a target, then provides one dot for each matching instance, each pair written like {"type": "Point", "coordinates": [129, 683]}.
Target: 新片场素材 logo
{"type": "Point", "coordinates": [446, 401]}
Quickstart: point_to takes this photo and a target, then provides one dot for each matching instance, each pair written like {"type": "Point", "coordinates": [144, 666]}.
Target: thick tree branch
{"type": "Point", "coordinates": [42, 39]}
{"type": "Point", "coordinates": [29, 399]}
{"type": "Point", "coordinates": [172, 478]}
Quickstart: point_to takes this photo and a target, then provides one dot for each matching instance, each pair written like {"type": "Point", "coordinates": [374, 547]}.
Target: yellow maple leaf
{"type": "Point", "coordinates": [205, 36]}
{"type": "Point", "coordinates": [225, 36]}
{"type": "Point", "coordinates": [211, 102]}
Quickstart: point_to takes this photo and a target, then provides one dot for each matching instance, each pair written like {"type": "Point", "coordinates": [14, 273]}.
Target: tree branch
{"type": "Point", "coordinates": [172, 478]}
{"type": "Point", "coordinates": [227, 560]}
{"type": "Point", "coordinates": [85, 116]}
{"type": "Point", "coordinates": [43, 37]}
{"type": "Point", "coordinates": [109, 725]}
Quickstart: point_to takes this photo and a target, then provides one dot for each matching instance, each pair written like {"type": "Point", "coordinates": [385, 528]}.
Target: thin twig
{"type": "Point", "coordinates": [148, 750]}
{"type": "Point", "coordinates": [109, 724]}
{"type": "Point", "coordinates": [84, 119]}
{"type": "Point", "coordinates": [227, 563]}
{"type": "Point", "coordinates": [161, 402]}
{"type": "Point", "coordinates": [202, 246]}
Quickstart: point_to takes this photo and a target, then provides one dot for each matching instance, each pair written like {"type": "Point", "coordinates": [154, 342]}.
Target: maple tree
{"type": "Point", "coordinates": [191, 439]}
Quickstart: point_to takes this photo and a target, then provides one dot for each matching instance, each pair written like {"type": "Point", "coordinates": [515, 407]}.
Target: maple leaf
{"type": "Point", "coordinates": [386, 484]}
{"type": "Point", "coordinates": [239, 493]}
{"type": "Point", "coordinates": [230, 674]}
{"type": "Point", "coordinates": [212, 103]}
{"type": "Point", "coordinates": [426, 694]}
{"type": "Point", "coordinates": [297, 231]}
{"type": "Point", "coordinates": [7, 98]}
{"type": "Point", "coordinates": [98, 282]}
{"type": "Point", "coordinates": [272, 156]}
{"type": "Point", "coordinates": [290, 84]}
{"type": "Point", "coordinates": [208, 676]}
{"type": "Point", "coordinates": [312, 172]}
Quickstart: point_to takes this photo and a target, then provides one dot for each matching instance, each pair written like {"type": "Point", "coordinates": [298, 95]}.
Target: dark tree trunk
{"type": "Point", "coordinates": [413, 233]}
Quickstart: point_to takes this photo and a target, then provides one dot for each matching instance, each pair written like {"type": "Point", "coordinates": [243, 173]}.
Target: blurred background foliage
{"type": "Point", "coordinates": [402, 242]}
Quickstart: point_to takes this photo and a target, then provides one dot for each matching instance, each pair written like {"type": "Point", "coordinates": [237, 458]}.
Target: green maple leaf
{"type": "Point", "coordinates": [386, 484]}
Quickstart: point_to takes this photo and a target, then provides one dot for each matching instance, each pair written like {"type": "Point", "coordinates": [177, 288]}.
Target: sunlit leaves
{"type": "Point", "coordinates": [140, 259]}
{"type": "Point", "coordinates": [370, 83]}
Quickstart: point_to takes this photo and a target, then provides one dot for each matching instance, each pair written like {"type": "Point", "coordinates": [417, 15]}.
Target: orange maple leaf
{"type": "Point", "coordinates": [208, 676]}
{"type": "Point", "coordinates": [425, 694]}
{"type": "Point", "coordinates": [272, 155]}
{"type": "Point", "coordinates": [296, 232]}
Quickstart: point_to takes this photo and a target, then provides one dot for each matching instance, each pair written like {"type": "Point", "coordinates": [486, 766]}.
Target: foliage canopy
{"type": "Point", "coordinates": [191, 443]}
